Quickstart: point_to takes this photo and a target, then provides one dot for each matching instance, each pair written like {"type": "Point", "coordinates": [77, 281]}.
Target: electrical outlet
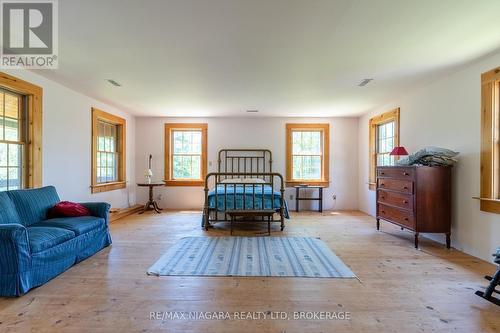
{"type": "Point", "coordinates": [334, 197]}
{"type": "Point", "coordinates": [159, 197]}
{"type": "Point", "coordinates": [291, 197]}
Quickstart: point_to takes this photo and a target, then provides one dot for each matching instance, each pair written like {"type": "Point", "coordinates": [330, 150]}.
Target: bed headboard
{"type": "Point", "coordinates": [245, 160]}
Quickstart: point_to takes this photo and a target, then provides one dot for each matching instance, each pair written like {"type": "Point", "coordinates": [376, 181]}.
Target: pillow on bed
{"type": "Point", "coordinates": [243, 180]}
{"type": "Point", "coordinates": [252, 181]}
{"type": "Point", "coordinates": [230, 180]}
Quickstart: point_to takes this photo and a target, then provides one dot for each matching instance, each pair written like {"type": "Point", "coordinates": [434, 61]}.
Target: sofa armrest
{"type": "Point", "coordinates": [98, 209]}
{"type": "Point", "coordinates": [15, 249]}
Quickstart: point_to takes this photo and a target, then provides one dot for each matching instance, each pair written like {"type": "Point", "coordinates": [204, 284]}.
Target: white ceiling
{"type": "Point", "coordinates": [282, 57]}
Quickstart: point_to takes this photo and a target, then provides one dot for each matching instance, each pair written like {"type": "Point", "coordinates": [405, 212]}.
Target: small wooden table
{"type": "Point", "coordinates": [319, 198]}
{"type": "Point", "coordinates": [151, 204]}
{"type": "Point", "coordinates": [233, 213]}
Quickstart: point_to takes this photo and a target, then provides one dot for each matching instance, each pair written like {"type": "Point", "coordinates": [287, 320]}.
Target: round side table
{"type": "Point", "coordinates": [151, 204]}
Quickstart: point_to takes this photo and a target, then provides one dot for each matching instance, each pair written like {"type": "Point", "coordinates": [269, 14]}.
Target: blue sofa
{"type": "Point", "coordinates": [34, 249]}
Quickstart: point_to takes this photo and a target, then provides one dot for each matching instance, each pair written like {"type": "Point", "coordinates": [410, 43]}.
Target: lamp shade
{"type": "Point", "coordinates": [399, 151]}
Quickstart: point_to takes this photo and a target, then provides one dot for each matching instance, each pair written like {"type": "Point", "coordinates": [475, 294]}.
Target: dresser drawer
{"type": "Point", "coordinates": [395, 199]}
{"type": "Point", "coordinates": [399, 216]}
{"type": "Point", "coordinates": [397, 173]}
{"type": "Point", "coordinates": [404, 186]}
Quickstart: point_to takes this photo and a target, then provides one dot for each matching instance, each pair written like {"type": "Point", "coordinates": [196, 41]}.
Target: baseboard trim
{"type": "Point", "coordinates": [117, 214]}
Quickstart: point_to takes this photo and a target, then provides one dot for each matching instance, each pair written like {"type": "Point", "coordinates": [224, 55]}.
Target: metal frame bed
{"type": "Point", "coordinates": [229, 193]}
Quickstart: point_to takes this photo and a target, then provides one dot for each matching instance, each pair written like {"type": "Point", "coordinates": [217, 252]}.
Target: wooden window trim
{"type": "Point", "coordinates": [490, 154]}
{"type": "Point", "coordinates": [122, 173]}
{"type": "Point", "coordinates": [34, 96]}
{"type": "Point", "coordinates": [325, 167]}
{"type": "Point", "coordinates": [168, 172]}
{"type": "Point", "coordinates": [392, 115]}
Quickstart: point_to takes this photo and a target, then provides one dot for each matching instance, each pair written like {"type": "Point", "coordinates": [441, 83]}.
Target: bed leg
{"type": "Point", "coordinates": [269, 225]}
{"type": "Point", "coordinates": [205, 219]}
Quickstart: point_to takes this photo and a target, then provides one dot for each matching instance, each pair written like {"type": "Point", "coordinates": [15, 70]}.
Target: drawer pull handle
{"type": "Point", "coordinates": [406, 219]}
{"type": "Point", "coordinates": [405, 201]}
{"type": "Point", "coordinates": [406, 173]}
{"type": "Point", "coordinates": [405, 187]}
{"type": "Point", "coordinates": [382, 173]}
{"type": "Point", "coordinates": [382, 211]}
{"type": "Point", "coordinates": [382, 184]}
{"type": "Point", "coordinates": [382, 197]}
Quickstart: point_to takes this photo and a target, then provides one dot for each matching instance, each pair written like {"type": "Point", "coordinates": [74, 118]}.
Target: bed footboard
{"type": "Point", "coordinates": [229, 194]}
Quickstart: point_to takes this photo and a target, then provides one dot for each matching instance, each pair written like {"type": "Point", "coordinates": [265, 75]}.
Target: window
{"type": "Point", "coordinates": [490, 141]}
{"type": "Point", "coordinates": [20, 134]}
{"type": "Point", "coordinates": [108, 152]}
{"type": "Point", "coordinates": [385, 143]}
{"type": "Point", "coordinates": [185, 154]}
{"type": "Point", "coordinates": [12, 141]}
{"type": "Point", "coordinates": [384, 136]}
{"type": "Point", "coordinates": [307, 147]}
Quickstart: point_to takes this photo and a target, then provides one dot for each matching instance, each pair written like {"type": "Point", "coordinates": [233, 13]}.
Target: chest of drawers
{"type": "Point", "coordinates": [417, 198]}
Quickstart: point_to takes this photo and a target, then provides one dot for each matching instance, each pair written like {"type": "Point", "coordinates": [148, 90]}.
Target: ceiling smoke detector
{"type": "Point", "coordinates": [113, 82]}
{"type": "Point", "coordinates": [364, 82]}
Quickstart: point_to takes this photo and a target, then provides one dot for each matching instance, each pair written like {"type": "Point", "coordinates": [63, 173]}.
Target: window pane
{"type": "Point", "coordinates": [196, 142]}
{"type": "Point", "coordinates": [186, 167]}
{"type": "Point", "coordinates": [306, 167]}
{"type": "Point", "coordinates": [3, 155]}
{"type": "Point", "coordinates": [306, 142]}
{"type": "Point", "coordinates": [3, 179]}
{"type": "Point", "coordinates": [15, 155]}
{"type": "Point", "coordinates": [100, 136]}
{"type": "Point", "coordinates": [11, 129]}
{"type": "Point", "coordinates": [390, 130]}
{"type": "Point", "coordinates": [195, 167]}
{"type": "Point", "coordinates": [177, 142]}
{"type": "Point", "coordinates": [103, 160]}
{"type": "Point", "coordinates": [14, 178]}
{"type": "Point", "coordinates": [296, 142]}
{"type": "Point", "coordinates": [297, 167]}
{"type": "Point", "coordinates": [311, 167]}
{"type": "Point", "coordinates": [11, 106]}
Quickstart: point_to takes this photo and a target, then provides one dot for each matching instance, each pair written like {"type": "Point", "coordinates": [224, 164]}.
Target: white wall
{"type": "Point", "coordinates": [445, 113]}
{"type": "Point", "coordinates": [251, 133]}
{"type": "Point", "coordinates": [67, 142]}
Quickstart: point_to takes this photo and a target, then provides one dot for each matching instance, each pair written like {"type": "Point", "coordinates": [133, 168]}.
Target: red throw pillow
{"type": "Point", "coordinates": [68, 209]}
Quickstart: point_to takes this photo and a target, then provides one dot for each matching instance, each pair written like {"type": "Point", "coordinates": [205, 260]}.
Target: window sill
{"type": "Point", "coordinates": [98, 188]}
{"type": "Point", "coordinates": [489, 205]}
{"type": "Point", "coordinates": [291, 183]}
{"type": "Point", "coordinates": [184, 183]}
{"type": "Point", "coordinates": [372, 186]}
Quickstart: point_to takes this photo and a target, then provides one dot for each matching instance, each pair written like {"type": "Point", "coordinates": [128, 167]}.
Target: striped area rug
{"type": "Point", "coordinates": [251, 256]}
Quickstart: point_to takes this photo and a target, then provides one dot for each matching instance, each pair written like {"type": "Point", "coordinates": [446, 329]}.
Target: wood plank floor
{"type": "Point", "coordinates": [400, 289]}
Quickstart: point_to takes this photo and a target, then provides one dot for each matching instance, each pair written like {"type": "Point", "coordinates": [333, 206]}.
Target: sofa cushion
{"type": "Point", "coordinates": [32, 205]}
{"type": "Point", "coordinates": [8, 212]}
{"type": "Point", "coordinates": [79, 225]}
{"type": "Point", "coordinates": [68, 209]}
{"type": "Point", "coordinates": [43, 238]}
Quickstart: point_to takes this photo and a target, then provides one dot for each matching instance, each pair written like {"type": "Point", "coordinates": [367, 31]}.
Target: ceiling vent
{"type": "Point", "coordinates": [252, 111]}
{"type": "Point", "coordinates": [364, 82]}
{"type": "Point", "coordinates": [113, 82]}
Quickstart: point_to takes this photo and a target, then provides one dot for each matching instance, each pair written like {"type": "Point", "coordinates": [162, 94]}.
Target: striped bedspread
{"type": "Point", "coordinates": [238, 196]}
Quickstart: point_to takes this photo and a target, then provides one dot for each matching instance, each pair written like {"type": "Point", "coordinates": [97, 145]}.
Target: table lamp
{"type": "Point", "coordinates": [399, 151]}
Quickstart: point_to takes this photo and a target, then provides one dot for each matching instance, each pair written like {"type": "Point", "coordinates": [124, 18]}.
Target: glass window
{"type": "Point", "coordinates": [385, 143]}
{"type": "Point", "coordinates": [307, 155]}
{"type": "Point", "coordinates": [107, 152]}
{"type": "Point", "coordinates": [12, 141]}
{"type": "Point", "coordinates": [186, 154]}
